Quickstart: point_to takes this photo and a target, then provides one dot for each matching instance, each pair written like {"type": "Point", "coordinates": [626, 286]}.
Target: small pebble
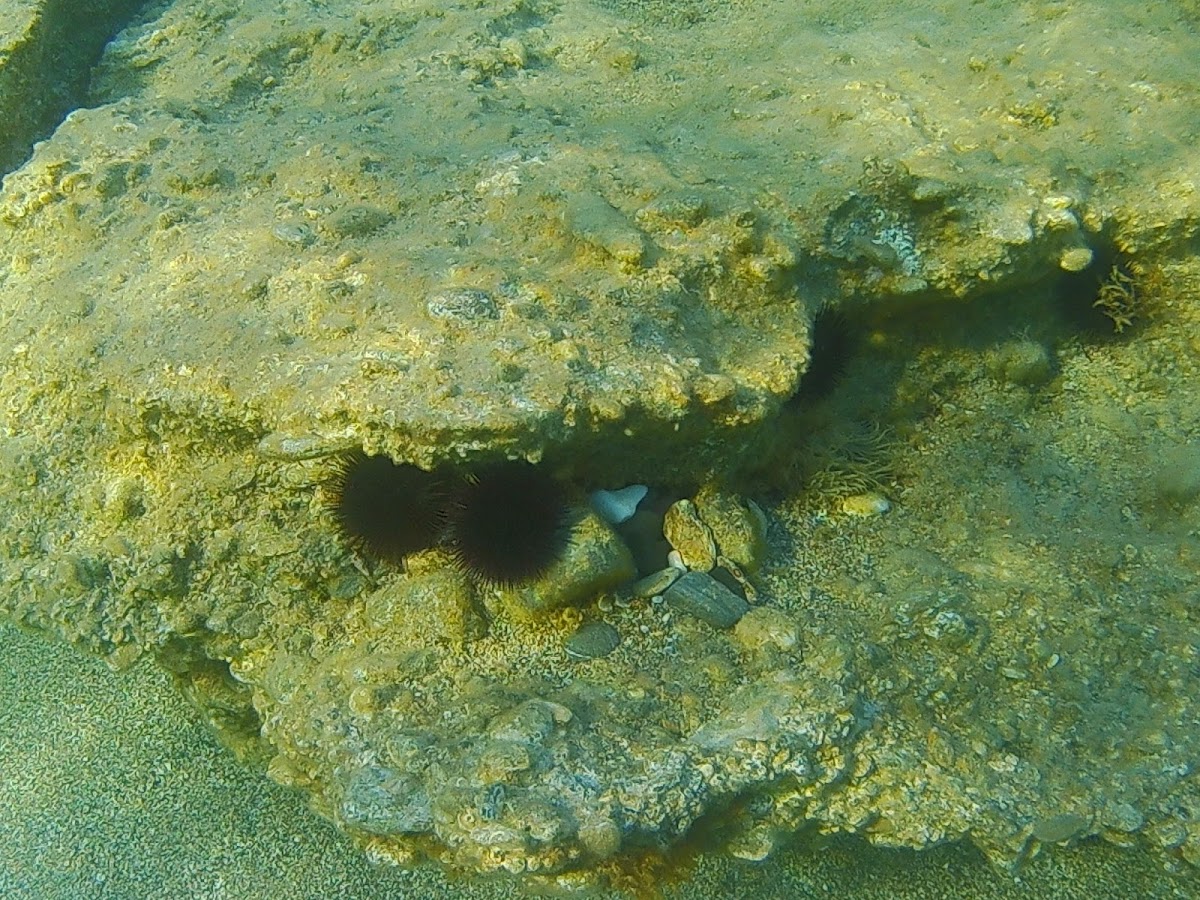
{"type": "Point", "coordinates": [1075, 259]}
{"type": "Point", "coordinates": [687, 533]}
{"type": "Point", "coordinates": [765, 627]}
{"type": "Point", "coordinates": [866, 505]}
{"type": "Point", "coordinates": [294, 234]}
{"type": "Point", "coordinates": [592, 640]}
{"type": "Point", "coordinates": [655, 583]}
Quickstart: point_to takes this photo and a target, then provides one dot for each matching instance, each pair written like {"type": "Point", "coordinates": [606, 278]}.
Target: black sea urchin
{"type": "Point", "coordinates": [832, 343]}
{"type": "Point", "coordinates": [384, 509]}
{"type": "Point", "coordinates": [509, 524]}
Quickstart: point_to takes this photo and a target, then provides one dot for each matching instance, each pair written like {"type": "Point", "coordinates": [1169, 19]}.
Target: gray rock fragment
{"type": "Point", "coordinates": [383, 801]}
{"type": "Point", "coordinates": [592, 640]}
{"type": "Point", "coordinates": [707, 599]}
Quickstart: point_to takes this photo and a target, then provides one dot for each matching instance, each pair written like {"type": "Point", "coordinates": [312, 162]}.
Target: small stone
{"type": "Point", "coordinates": [296, 235]}
{"type": "Point", "coordinates": [600, 835]}
{"type": "Point", "coordinates": [656, 582]}
{"type": "Point", "coordinates": [707, 599]}
{"type": "Point", "coordinates": [437, 602]}
{"type": "Point", "coordinates": [379, 800]}
{"type": "Point", "coordinates": [738, 526]}
{"type": "Point", "coordinates": [754, 845]}
{"type": "Point", "coordinates": [596, 560]}
{"type": "Point", "coordinates": [593, 640]}
{"type": "Point", "coordinates": [123, 500]}
{"type": "Point", "coordinates": [757, 712]}
{"type": "Point", "coordinates": [1123, 817]}
{"type": "Point", "coordinates": [767, 628]}
{"type": "Point", "coordinates": [866, 505]}
{"type": "Point", "coordinates": [1177, 479]}
{"type": "Point", "coordinates": [1076, 259]}
{"type": "Point", "coordinates": [500, 759]}
{"type": "Point", "coordinates": [1023, 362]}
{"type": "Point", "coordinates": [711, 389]}
{"type": "Point", "coordinates": [668, 214]}
{"type": "Point", "coordinates": [363, 701]}
{"type": "Point", "coordinates": [594, 220]}
{"type": "Point", "coordinates": [279, 445]}
{"type": "Point", "coordinates": [358, 221]}
{"type": "Point", "coordinates": [687, 533]}
{"type": "Point", "coordinates": [1059, 828]}
{"type": "Point", "coordinates": [1190, 849]}
{"type": "Point", "coordinates": [528, 723]}
{"type": "Point", "coordinates": [1169, 835]}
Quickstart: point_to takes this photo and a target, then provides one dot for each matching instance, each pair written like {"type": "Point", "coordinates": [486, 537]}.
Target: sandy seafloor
{"type": "Point", "coordinates": [166, 812]}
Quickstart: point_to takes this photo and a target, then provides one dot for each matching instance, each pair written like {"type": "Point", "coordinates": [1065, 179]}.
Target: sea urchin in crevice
{"type": "Point", "coordinates": [508, 524]}
{"type": "Point", "coordinates": [832, 342]}
{"type": "Point", "coordinates": [384, 509]}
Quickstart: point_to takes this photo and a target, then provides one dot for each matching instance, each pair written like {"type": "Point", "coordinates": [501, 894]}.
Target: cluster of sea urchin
{"type": "Point", "coordinates": [503, 525]}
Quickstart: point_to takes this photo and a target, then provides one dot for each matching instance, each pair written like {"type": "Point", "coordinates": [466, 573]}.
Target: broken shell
{"type": "Point", "coordinates": [592, 640]}
{"type": "Point", "coordinates": [707, 599]}
{"type": "Point", "coordinates": [686, 532]}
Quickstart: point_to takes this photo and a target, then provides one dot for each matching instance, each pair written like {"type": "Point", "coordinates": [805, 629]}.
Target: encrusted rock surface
{"type": "Point", "coordinates": [47, 48]}
{"type": "Point", "coordinates": [451, 233]}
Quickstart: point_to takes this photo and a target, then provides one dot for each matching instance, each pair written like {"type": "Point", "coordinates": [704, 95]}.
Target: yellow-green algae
{"type": "Point", "coordinates": [541, 229]}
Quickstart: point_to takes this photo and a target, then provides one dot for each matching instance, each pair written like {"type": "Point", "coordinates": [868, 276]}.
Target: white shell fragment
{"type": "Point", "coordinates": [615, 507]}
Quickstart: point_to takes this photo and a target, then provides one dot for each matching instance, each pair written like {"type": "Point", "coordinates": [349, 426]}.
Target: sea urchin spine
{"type": "Point", "coordinates": [384, 509]}
{"type": "Point", "coordinates": [832, 341]}
{"type": "Point", "coordinates": [508, 524]}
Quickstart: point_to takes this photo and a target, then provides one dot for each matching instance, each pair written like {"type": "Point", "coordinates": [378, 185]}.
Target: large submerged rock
{"type": "Point", "coordinates": [453, 233]}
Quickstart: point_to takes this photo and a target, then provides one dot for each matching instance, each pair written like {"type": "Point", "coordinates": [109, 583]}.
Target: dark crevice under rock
{"type": "Point", "coordinates": [44, 71]}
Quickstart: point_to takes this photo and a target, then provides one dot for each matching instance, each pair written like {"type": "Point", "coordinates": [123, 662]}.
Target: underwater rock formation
{"type": "Point", "coordinates": [537, 231]}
